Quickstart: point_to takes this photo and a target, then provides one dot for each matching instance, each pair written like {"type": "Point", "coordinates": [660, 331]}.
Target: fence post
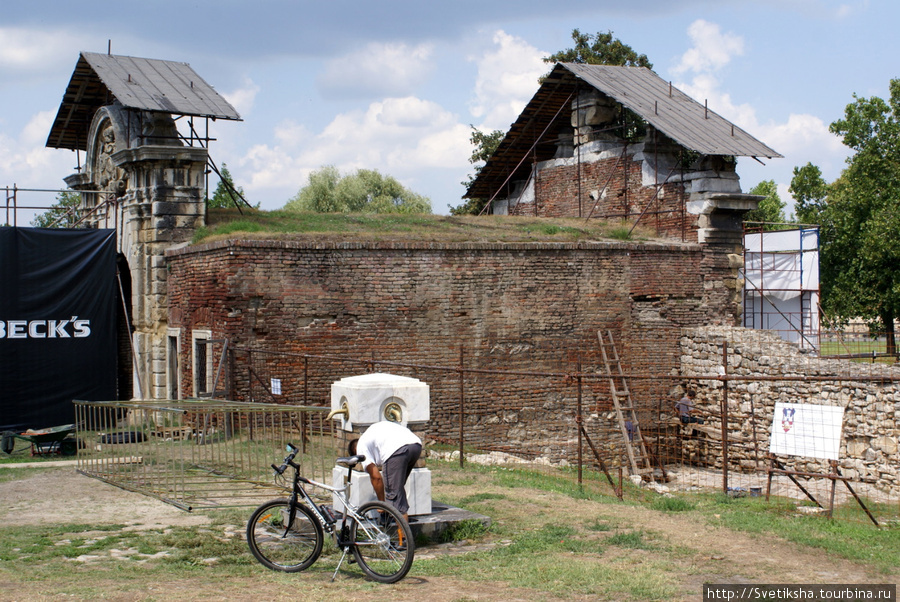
{"type": "Point", "coordinates": [578, 420]}
{"type": "Point", "coordinates": [462, 417]}
{"type": "Point", "coordinates": [305, 380]}
{"type": "Point", "coordinates": [725, 420]}
{"type": "Point", "coordinates": [250, 375]}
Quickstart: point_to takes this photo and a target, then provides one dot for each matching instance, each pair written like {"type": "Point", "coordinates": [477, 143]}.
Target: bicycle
{"type": "Point", "coordinates": [288, 534]}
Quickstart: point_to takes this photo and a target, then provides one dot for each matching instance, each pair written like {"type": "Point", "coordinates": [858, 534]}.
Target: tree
{"type": "Point", "coordinates": [225, 196]}
{"type": "Point", "coordinates": [485, 144]}
{"type": "Point", "coordinates": [599, 49]}
{"type": "Point", "coordinates": [366, 191]}
{"type": "Point", "coordinates": [62, 214]}
{"type": "Point", "coordinates": [810, 192]}
{"type": "Point", "coordinates": [771, 208]}
{"type": "Point", "coordinates": [860, 247]}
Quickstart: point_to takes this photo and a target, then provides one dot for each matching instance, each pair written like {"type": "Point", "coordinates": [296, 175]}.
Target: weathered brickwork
{"type": "Point", "coordinates": [531, 307]}
{"type": "Point", "coordinates": [610, 188]}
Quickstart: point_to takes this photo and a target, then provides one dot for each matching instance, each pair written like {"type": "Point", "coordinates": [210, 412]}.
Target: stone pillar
{"type": "Point", "coordinates": [141, 180]}
{"type": "Point", "coordinates": [721, 232]}
{"type": "Point", "coordinates": [162, 208]}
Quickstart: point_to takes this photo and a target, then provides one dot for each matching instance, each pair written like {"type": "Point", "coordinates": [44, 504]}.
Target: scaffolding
{"type": "Point", "coordinates": [781, 283]}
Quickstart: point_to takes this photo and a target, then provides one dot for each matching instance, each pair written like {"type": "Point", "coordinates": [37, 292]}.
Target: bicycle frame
{"type": "Point", "coordinates": [328, 522]}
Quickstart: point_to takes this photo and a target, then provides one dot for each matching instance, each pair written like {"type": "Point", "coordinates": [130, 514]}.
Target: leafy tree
{"type": "Point", "coordinates": [484, 146]}
{"type": "Point", "coordinates": [226, 194]}
{"type": "Point", "coordinates": [366, 191]}
{"type": "Point", "coordinates": [599, 49]}
{"type": "Point", "coordinates": [771, 208]}
{"type": "Point", "coordinates": [861, 249]}
{"type": "Point", "coordinates": [810, 192]}
{"type": "Point", "coordinates": [62, 214]}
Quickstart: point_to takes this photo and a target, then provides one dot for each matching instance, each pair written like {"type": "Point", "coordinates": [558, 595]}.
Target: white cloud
{"type": "Point", "coordinates": [507, 79]}
{"type": "Point", "coordinates": [30, 51]}
{"type": "Point", "coordinates": [801, 138]}
{"type": "Point", "coordinates": [397, 136]}
{"type": "Point", "coordinates": [801, 133]}
{"type": "Point", "coordinates": [712, 49]}
{"type": "Point", "coordinates": [27, 164]}
{"type": "Point", "coordinates": [845, 11]}
{"type": "Point", "coordinates": [379, 69]}
{"type": "Point", "coordinates": [242, 98]}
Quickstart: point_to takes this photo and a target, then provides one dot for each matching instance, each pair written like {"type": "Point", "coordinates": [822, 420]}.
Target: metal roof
{"type": "Point", "coordinates": [532, 137]}
{"type": "Point", "coordinates": [140, 84]}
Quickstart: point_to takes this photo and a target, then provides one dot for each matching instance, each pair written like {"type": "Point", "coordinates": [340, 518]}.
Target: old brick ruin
{"type": "Point", "coordinates": [619, 143]}
{"type": "Point", "coordinates": [508, 306]}
{"type": "Point", "coordinates": [597, 173]}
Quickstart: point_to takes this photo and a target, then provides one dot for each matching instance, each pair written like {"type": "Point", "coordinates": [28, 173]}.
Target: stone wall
{"type": "Point", "coordinates": [871, 409]}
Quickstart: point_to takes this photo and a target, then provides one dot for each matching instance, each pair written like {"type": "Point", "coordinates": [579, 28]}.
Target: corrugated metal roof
{"type": "Point", "coordinates": [532, 137]}
{"type": "Point", "coordinates": [137, 83]}
{"type": "Point", "coordinates": [671, 111]}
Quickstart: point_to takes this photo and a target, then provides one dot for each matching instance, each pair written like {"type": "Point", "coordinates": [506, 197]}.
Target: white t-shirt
{"type": "Point", "coordinates": [381, 440]}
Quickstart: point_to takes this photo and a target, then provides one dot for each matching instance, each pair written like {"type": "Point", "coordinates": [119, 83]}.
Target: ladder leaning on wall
{"type": "Point", "coordinates": [638, 459]}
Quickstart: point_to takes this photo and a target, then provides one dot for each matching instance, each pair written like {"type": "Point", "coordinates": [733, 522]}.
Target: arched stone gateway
{"type": "Point", "coordinates": [143, 178]}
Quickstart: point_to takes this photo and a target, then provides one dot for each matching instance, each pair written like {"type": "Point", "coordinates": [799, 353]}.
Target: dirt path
{"type": "Point", "coordinates": [702, 553]}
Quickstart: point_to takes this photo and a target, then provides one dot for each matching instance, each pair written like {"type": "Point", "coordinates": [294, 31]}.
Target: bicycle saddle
{"type": "Point", "coordinates": [351, 460]}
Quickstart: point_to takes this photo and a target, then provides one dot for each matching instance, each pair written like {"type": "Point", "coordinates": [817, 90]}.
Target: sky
{"type": "Point", "coordinates": [397, 85]}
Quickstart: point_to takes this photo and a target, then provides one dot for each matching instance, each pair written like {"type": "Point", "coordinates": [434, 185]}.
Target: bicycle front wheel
{"type": "Point", "coordinates": [382, 543]}
{"type": "Point", "coordinates": [283, 542]}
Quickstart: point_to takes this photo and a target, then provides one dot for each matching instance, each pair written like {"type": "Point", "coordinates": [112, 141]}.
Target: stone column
{"type": "Point", "coordinates": [721, 232]}
{"type": "Point", "coordinates": [163, 206]}
{"type": "Point", "coordinates": [140, 179]}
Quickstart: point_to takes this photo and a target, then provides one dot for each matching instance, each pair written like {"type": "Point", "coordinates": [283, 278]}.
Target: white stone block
{"type": "Point", "coordinates": [418, 489]}
{"type": "Point", "coordinates": [369, 396]}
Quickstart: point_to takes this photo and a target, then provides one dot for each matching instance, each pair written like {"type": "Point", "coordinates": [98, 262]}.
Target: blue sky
{"type": "Point", "coordinates": [395, 85]}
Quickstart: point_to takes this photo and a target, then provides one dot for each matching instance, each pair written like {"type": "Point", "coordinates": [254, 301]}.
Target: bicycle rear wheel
{"type": "Point", "coordinates": [280, 543]}
{"type": "Point", "coordinates": [382, 543]}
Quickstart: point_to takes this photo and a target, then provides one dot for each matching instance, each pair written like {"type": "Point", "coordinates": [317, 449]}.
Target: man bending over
{"type": "Point", "coordinates": [396, 450]}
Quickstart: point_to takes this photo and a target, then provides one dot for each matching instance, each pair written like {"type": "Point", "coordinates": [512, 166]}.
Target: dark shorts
{"type": "Point", "coordinates": [396, 471]}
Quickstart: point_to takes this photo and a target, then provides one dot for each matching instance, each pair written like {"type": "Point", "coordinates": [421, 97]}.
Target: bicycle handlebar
{"type": "Point", "coordinates": [288, 459]}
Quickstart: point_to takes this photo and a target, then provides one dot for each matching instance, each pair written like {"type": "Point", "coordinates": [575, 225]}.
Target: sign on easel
{"type": "Point", "coordinates": [807, 430]}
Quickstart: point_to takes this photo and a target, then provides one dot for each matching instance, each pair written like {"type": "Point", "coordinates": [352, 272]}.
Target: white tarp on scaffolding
{"type": "Point", "coordinates": [782, 264]}
{"type": "Point", "coordinates": [781, 283]}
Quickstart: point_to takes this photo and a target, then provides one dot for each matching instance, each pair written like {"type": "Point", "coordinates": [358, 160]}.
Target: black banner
{"type": "Point", "coordinates": [57, 323]}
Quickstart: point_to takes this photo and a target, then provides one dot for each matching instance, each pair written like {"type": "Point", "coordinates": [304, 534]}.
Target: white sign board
{"type": "Point", "coordinates": [811, 431]}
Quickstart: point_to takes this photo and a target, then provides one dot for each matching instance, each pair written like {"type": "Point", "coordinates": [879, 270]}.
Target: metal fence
{"type": "Point", "coordinates": [564, 423]}
{"type": "Point", "coordinates": [201, 453]}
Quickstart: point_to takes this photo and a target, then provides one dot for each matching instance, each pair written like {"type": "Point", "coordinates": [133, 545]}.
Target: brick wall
{"type": "Point", "coordinates": [557, 192]}
{"type": "Point", "coordinates": [535, 307]}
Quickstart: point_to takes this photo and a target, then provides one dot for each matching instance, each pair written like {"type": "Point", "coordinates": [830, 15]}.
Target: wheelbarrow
{"type": "Point", "coordinates": [50, 441]}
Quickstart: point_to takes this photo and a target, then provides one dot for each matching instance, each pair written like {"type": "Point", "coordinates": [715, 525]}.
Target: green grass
{"type": "Point", "coordinates": [464, 530]}
{"type": "Point", "coordinates": [672, 504]}
{"type": "Point", "coordinates": [859, 345]}
{"type": "Point", "coordinates": [853, 540]}
{"type": "Point", "coordinates": [601, 552]}
{"type": "Point", "coordinates": [230, 224]}
{"type": "Point", "coordinates": [635, 540]}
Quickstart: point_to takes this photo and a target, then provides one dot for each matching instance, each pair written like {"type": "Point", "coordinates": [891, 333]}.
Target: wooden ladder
{"type": "Point", "coordinates": [638, 459]}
